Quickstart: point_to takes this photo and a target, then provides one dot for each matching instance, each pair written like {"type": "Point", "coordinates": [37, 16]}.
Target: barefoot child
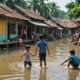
{"type": "Point", "coordinates": [27, 56]}
{"type": "Point", "coordinates": [73, 60]}
{"type": "Point", "coordinates": [42, 45]}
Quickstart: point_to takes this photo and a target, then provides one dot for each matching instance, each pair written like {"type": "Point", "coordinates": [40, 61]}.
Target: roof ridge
{"type": "Point", "coordinates": [30, 13]}
{"type": "Point", "coordinates": [2, 6]}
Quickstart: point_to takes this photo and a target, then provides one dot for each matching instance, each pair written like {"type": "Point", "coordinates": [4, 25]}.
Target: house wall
{"type": "Point", "coordinates": [2, 28]}
{"type": "Point", "coordinates": [13, 21]}
{"type": "Point", "coordinates": [18, 23]}
{"type": "Point", "coordinates": [4, 21]}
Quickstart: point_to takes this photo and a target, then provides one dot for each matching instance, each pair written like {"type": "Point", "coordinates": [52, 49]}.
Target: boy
{"type": "Point", "coordinates": [73, 60]}
{"type": "Point", "coordinates": [42, 45]}
{"type": "Point", "coordinates": [27, 56]}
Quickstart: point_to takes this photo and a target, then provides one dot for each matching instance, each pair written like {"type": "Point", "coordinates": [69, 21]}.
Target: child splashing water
{"type": "Point", "coordinates": [73, 60]}
{"type": "Point", "coordinates": [27, 56]}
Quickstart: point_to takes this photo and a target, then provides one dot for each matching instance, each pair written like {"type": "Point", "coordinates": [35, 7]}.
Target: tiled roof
{"type": "Point", "coordinates": [65, 23]}
{"type": "Point", "coordinates": [6, 11]}
{"type": "Point", "coordinates": [51, 24]}
{"type": "Point", "coordinates": [30, 13]}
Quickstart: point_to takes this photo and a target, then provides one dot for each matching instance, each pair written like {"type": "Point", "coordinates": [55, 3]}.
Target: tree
{"type": "Point", "coordinates": [73, 9]}
{"type": "Point", "coordinates": [39, 6]}
{"type": "Point", "coordinates": [11, 3]}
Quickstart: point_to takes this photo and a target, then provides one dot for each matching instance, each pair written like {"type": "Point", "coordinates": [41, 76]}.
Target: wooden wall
{"type": "Point", "coordinates": [2, 26]}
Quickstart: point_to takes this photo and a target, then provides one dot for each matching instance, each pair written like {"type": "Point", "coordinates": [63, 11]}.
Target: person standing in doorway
{"type": "Point", "coordinates": [42, 45]}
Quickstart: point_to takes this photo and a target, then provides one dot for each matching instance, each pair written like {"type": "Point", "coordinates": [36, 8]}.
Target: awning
{"type": "Point", "coordinates": [59, 28]}
{"type": "Point", "coordinates": [38, 23]}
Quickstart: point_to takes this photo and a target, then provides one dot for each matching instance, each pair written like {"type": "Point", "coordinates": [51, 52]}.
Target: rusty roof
{"type": "Point", "coordinates": [30, 13]}
{"type": "Point", "coordinates": [65, 23]}
{"type": "Point", "coordinates": [6, 11]}
{"type": "Point", "coordinates": [51, 24]}
{"type": "Point", "coordinates": [77, 19]}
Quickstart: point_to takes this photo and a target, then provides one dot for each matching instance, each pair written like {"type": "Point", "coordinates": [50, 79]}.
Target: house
{"type": "Point", "coordinates": [36, 23]}
{"type": "Point", "coordinates": [10, 22]}
{"type": "Point", "coordinates": [67, 27]}
{"type": "Point", "coordinates": [77, 21]}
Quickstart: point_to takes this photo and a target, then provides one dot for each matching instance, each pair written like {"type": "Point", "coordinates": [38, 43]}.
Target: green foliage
{"type": "Point", "coordinates": [2, 1]}
{"type": "Point", "coordinates": [77, 1]}
{"type": "Point", "coordinates": [73, 9]}
{"type": "Point", "coordinates": [42, 7]}
{"type": "Point", "coordinates": [70, 5]}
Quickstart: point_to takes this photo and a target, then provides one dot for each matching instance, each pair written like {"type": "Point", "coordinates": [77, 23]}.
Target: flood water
{"type": "Point", "coordinates": [13, 69]}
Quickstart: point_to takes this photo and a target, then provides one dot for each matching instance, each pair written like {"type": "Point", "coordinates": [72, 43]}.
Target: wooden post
{"type": "Point", "coordinates": [6, 27]}
{"type": "Point", "coordinates": [16, 28]}
{"type": "Point", "coordinates": [26, 31]}
{"type": "Point", "coordinates": [35, 34]}
{"type": "Point", "coordinates": [16, 33]}
{"type": "Point", "coordinates": [7, 34]}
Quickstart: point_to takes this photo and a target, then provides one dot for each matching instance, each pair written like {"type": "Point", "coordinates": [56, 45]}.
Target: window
{"type": "Point", "coordinates": [12, 28]}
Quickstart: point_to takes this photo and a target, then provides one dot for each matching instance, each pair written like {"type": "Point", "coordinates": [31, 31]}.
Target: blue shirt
{"type": "Point", "coordinates": [74, 59]}
{"type": "Point", "coordinates": [42, 46]}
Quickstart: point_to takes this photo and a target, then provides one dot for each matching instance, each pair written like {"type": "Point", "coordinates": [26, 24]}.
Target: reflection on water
{"type": "Point", "coordinates": [27, 74]}
{"type": "Point", "coordinates": [73, 74]}
{"type": "Point", "coordinates": [12, 69]}
{"type": "Point", "coordinates": [42, 75]}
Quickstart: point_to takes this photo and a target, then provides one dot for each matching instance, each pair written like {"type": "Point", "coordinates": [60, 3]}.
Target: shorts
{"type": "Point", "coordinates": [42, 56]}
{"type": "Point", "coordinates": [74, 65]}
{"type": "Point", "coordinates": [29, 63]}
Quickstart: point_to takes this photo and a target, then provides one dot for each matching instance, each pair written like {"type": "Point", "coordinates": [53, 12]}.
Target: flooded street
{"type": "Point", "coordinates": [13, 69]}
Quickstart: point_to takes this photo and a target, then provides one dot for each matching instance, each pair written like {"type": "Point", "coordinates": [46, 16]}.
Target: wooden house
{"type": "Point", "coordinates": [77, 21]}
{"type": "Point", "coordinates": [65, 27]}
{"type": "Point", "coordinates": [10, 21]}
{"type": "Point", "coordinates": [36, 23]}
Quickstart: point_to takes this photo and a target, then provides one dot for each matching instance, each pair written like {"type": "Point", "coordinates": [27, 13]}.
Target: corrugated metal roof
{"type": "Point", "coordinates": [65, 23]}
{"type": "Point", "coordinates": [39, 23]}
{"type": "Point", "coordinates": [30, 13]}
{"type": "Point", "coordinates": [51, 24]}
{"type": "Point", "coordinates": [6, 11]}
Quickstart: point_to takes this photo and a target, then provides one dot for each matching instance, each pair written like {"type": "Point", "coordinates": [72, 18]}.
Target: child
{"type": "Point", "coordinates": [42, 45]}
{"type": "Point", "coordinates": [27, 56]}
{"type": "Point", "coordinates": [73, 60]}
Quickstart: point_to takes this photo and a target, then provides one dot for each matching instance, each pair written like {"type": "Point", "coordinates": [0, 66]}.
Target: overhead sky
{"type": "Point", "coordinates": [61, 3]}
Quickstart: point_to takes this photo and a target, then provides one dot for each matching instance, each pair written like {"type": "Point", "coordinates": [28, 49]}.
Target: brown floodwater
{"type": "Point", "coordinates": [13, 69]}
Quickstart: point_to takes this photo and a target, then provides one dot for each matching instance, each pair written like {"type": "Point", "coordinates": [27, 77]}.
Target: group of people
{"type": "Point", "coordinates": [43, 46]}
{"type": "Point", "coordinates": [75, 38]}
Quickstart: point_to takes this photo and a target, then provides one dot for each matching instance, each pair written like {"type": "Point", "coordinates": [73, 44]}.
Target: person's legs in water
{"type": "Point", "coordinates": [42, 59]}
{"type": "Point", "coordinates": [25, 63]}
{"type": "Point", "coordinates": [30, 64]}
{"type": "Point", "coordinates": [74, 65]}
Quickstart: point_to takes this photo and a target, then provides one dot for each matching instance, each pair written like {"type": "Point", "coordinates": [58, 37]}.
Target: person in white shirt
{"type": "Point", "coordinates": [27, 56]}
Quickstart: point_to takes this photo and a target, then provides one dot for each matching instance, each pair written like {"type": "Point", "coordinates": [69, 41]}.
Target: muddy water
{"type": "Point", "coordinates": [12, 69]}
